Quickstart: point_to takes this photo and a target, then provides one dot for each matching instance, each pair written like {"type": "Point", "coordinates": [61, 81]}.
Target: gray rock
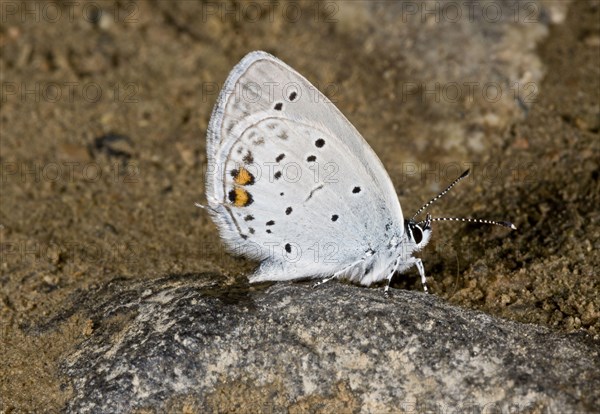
{"type": "Point", "coordinates": [181, 343]}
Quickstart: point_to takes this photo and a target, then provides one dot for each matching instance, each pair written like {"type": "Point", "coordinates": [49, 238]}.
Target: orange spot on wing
{"type": "Point", "coordinates": [240, 197]}
{"type": "Point", "coordinates": [243, 177]}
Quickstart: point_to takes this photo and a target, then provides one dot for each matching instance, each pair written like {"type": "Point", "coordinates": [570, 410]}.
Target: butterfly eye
{"type": "Point", "coordinates": [417, 234]}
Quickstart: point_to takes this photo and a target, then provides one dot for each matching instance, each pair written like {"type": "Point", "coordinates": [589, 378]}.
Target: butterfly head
{"type": "Point", "coordinates": [419, 233]}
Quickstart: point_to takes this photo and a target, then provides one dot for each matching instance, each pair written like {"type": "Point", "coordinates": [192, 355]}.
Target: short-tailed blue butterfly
{"type": "Point", "coordinates": [292, 183]}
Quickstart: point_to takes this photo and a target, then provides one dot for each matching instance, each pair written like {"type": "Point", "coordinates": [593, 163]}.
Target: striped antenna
{"type": "Point", "coordinates": [440, 195]}
{"type": "Point", "coordinates": [474, 220]}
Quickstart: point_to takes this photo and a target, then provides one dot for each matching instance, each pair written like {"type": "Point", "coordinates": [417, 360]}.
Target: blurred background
{"type": "Point", "coordinates": [104, 111]}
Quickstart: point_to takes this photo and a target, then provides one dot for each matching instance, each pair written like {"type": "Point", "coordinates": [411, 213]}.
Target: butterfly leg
{"type": "Point", "coordinates": [323, 281]}
{"type": "Point", "coordinates": [337, 274]}
{"type": "Point", "coordinates": [386, 290]}
{"type": "Point", "coordinates": [421, 269]}
{"type": "Point", "coordinates": [406, 265]}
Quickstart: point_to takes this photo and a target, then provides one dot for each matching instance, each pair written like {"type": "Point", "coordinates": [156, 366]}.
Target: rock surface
{"type": "Point", "coordinates": [180, 342]}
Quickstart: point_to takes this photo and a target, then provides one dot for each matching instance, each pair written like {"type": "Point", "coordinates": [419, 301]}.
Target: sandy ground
{"type": "Point", "coordinates": [101, 184]}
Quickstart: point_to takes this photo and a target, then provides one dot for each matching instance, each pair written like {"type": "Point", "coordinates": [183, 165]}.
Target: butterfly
{"type": "Point", "coordinates": [291, 183]}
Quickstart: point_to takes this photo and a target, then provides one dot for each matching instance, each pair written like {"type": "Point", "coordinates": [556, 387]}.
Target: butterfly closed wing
{"type": "Point", "coordinates": [293, 184]}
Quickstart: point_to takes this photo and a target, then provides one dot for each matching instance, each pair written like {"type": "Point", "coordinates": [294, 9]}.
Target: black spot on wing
{"type": "Point", "coordinates": [248, 158]}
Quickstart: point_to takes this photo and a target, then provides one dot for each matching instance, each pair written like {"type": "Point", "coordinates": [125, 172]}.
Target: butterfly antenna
{"type": "Point", "coordinates": [440, 195]}
{"type": "Point", "coordinates": [474, 220]}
